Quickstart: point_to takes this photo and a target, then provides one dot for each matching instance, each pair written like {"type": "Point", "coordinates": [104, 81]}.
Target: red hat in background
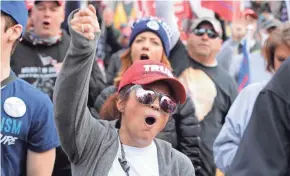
{"type": "Point", "coordinates": [144, 72]}
{"type": "Point", "coordinates": [250, 12]}
{"type": "Point", "coordinates": [59, 2]}
{"type": "Point", "coordinates": [29, 4]}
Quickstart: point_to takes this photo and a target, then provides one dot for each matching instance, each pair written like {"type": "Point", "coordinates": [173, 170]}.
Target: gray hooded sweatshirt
{"type": "Point", "coordinates": [91, 144]}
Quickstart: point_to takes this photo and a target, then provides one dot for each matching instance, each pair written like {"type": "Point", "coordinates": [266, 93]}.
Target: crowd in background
{"type": "Point", "coordinates": [223, 65]}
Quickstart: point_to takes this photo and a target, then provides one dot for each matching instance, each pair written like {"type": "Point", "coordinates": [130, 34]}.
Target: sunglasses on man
{"type": "Point", "coordinates": [147, 97]}
{"type": "Point", "coordinates": [210, 33]}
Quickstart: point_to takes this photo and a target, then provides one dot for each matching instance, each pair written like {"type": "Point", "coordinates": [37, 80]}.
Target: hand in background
{"type": "Point", "coordinates": [239, 29]}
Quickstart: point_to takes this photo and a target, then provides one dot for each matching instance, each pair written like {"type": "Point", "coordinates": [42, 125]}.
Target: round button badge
{"type": "Point", "coordinates": [153, 25]}
{"type": "Point", "coordinates": [14, 107]}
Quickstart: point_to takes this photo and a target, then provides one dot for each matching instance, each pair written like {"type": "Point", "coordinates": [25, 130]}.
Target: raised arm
{"type": "Point", "coordinates": [73, 119]}
{"type": "Point", "coordinates": [227, 52]}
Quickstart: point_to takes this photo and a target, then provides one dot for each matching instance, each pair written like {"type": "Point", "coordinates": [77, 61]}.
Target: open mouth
{"type": "Point", "coordinates": [150, 120]}
{"type": "Point", "coordinates": [46, 24]}
{"type": "Point", "coordinates": [144, 57]}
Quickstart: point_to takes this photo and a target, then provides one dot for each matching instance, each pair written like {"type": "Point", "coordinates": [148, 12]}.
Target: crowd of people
{"type": "Point", "coordinates": [87, 99]}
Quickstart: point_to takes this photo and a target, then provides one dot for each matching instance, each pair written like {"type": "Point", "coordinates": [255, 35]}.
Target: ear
{"type": "Point", "coordinates": [62, 13]}
{"type": "Point", "coordinates": [220, 41]}
{"type": "Point", "coordinates": [14, 32]}
{"type": "Point", "coordinates": [120, 105]}
{"type": "Point", "coordinates": [32, 11]}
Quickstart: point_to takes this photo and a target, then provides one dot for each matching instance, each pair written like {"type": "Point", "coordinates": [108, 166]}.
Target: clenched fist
{"type": "Point", "coordinates": [85, 22]}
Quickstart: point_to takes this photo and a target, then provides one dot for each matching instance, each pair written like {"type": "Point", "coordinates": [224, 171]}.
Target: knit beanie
{"type": "Point", "coordinates": [152, 24]}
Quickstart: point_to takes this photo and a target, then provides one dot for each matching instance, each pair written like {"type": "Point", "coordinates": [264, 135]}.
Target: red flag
{"type": "Point", "coordinates": [147, 8]}
{"type": "Point", "coordinates": [228, 10]}
{"type": "Point", "coordinates": [183, 13]}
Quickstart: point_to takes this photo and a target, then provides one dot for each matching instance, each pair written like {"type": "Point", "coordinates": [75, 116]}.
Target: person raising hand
{"type": "Point", "coordinates": [147, 95]}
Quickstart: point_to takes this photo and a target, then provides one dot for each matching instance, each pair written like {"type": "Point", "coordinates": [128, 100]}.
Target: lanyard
{"type": "Point", "coordinates": [123, 162]}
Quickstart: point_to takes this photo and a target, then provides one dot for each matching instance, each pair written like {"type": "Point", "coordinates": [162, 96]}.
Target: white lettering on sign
{"type": "Point", "coordinates": [44, 70]}
{"type": "Point", "coordinates": [158, 68]}
{"type": "Point", "coordinates": [9, 140]}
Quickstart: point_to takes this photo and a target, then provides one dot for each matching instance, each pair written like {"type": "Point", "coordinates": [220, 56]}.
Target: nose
{"type": "Point", "coordinates": [205, 36]}
{"type": "Point", "coordinates": [146, 46]}
{"type": "Point", "coordinates": [155, 105]}
{"type": "Point", "coordinates": [47, 12]}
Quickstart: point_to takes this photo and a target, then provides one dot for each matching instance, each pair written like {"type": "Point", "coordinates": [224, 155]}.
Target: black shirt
{"type": "Point", "coordinates": [35, 62]}
{"type": "Point", "coordinates": [212, 91]}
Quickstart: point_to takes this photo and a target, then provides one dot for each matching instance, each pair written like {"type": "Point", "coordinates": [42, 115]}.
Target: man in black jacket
{"type": "Point", "coordinates": [264, 148]}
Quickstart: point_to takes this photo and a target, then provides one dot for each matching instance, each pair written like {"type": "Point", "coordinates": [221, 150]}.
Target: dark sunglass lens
{"type": "Point", "coordinates": [167, 105]}
{"type": "Point", "coordinates": [145, 96]}
{"type": "Point", "coordinates": [199, 32]}
{"type": "Point", "coordinates": [211, 34]}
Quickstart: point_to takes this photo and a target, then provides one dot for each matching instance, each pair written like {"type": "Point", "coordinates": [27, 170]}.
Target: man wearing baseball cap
{"type": "Point", "coordinates": [39, 55]}
{"type": "Point", "coordinates": [59, 2]}
{"type": "Point", "coordinates": [28, 133]}
{"type": "Point", "coordinates": [266, 25]}
{"type": "Point", "coordinates": [211, 89]}
{"type": "Point", "coordinates": [213, 22]}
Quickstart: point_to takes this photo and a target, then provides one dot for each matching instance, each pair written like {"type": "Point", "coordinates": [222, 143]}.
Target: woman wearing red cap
{"type": "Point", "coordinates": [150, 40]}
{"type": "Point", "coordinates": [147, 94]}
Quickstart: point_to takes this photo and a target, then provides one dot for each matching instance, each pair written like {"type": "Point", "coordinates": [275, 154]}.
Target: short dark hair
{"type": "Point", "coordinates": [9, 22]}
